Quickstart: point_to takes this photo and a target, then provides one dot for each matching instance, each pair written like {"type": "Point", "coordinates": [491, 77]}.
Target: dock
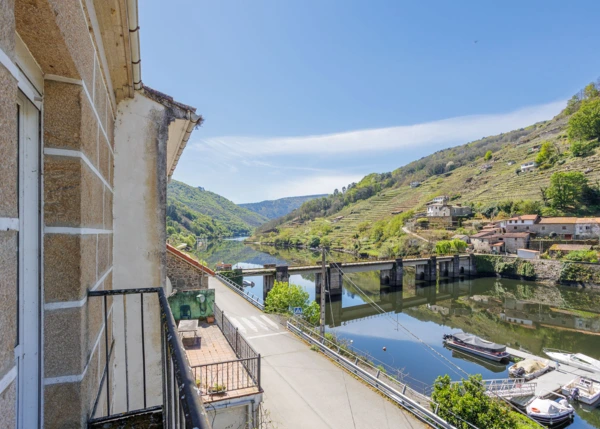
{"type": "Point", "coordinates": [551, 381]}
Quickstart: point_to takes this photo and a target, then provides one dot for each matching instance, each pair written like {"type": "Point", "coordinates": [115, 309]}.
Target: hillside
{"type": "Point", "coordinates": [368, 217]}
{"type": "Point", "coordinates": [272, 209]}
{"type": "Point", "coordinates": [195, 212]}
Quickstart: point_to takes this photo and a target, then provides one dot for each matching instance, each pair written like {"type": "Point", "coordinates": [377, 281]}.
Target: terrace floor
{"type": "Point", "coordinates": [213, 363]}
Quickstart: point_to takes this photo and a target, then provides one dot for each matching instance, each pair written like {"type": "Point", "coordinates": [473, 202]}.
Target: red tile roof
{"type": "Point", "coordinates": [525, 217]}
{"type": "Point", "coordinates": [555, 220]}
{"type": "Point", "coordinates": [189, 260]}
{"type": "Point", "coordinates": [514, 235]}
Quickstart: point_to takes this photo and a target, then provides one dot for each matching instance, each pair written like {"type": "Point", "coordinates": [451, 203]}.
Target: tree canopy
{"type": "Point", "coordinates": [566, 189]}
{"type": "Point", "coordinates": [585, 123]}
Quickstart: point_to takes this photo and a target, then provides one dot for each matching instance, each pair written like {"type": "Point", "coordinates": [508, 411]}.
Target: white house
{"type": "Point", "coordinates": [528, 166]}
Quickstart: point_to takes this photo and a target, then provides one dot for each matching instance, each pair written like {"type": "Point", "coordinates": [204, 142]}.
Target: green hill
{"type": "Point", "coordinates": [272, 209]}
{"type": "Point", "coordinates": [368, 217]}
{"type": "Point", "coordinates": [195, 212]}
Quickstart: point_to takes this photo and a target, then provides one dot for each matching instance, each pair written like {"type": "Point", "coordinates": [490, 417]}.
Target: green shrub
{"type": "Point", "coordinates": [582, 256]}
{"type": "Point", "coordinates": [468, 401]}
{"type": "Point", "coordinates": [286, 295]}
{"type": "Point", "coordinates": [526, 269]}
{"type": "Point", "coordinates": [488, 155]}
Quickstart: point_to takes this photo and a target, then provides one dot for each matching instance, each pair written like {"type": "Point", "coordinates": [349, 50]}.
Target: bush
{"type": "Point", "coordinates": [285, 295]}
{"type": "Point", "coordinates": [582, 256]}
{"type": "Point", "coordinates": [582, 149]}
{"type": "Point", "coordinates": [313, 241]}
{"type": "Point", "coordinates": [468, 401]}
{"type": "Point", "coordinates": [446, 247]}
{"type": "Point", "coordinates": [488, 155]}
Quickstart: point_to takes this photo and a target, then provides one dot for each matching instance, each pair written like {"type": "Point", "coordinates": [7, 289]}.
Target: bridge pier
{"type": "Point", "coordinates": [333, 282]}
{"type": "Point", "coordinates": [431, 270]}
{"type": "Point", "coordinates": [392, 277]}
{"type": "Point", "coordinates": [268, 283]}
{"type": "Point", "coordinates": [455, 266]}
{"type": "Point", "coordinates": [281, 274]}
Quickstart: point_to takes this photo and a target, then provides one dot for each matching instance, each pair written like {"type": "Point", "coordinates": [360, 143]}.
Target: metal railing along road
{"type": "Point", "coordinates": [180, 403]}
{"type": "Point", "coordinates": [240, 291]}
{"type": "Point", "coordinates": [418, 404]}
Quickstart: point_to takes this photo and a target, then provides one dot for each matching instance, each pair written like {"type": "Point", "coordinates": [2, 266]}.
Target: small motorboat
{"type": "Point", "coordinates": [577, 360]}
{"type": "Point", "coordinates": [549, 411]}
{"type": "Point", "coordinates": [477, 346]}
{"type": "Point", "coordinates": [247, 283]}
{"type": "Point", "coordinates": [584, 390]}
{"type": "Point", "coordinates": [530, 368]}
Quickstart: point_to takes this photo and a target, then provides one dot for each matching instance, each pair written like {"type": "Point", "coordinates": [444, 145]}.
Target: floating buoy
{"type": "Point", "coordinates": [385, 348]}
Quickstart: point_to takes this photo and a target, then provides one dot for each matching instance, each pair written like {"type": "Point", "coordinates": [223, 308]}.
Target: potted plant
{"type": "Point", "coordinates": [210, 319]}
{"type": "Point", "coordinates": [217, 388]}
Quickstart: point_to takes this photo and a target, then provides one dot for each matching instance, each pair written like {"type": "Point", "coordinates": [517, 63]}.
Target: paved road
{"type": "Point", "coordinates": [303, 389]}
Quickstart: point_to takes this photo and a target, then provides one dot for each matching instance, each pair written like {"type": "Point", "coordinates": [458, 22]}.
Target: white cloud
{"type": "Point", "coordinates": [309, 185]}
{"type": "Point", "coordinates": [447, 131]}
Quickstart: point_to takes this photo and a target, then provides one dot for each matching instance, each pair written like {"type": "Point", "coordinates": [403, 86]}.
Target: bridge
{"type": "Point", "coordinates": [391, 271]}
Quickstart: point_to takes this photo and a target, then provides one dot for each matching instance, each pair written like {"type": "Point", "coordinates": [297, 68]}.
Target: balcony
{"type": "Point", "coordinates": [139, 388]}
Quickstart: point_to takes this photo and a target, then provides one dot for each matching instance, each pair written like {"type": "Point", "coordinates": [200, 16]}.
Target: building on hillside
{"type": "Point", "coordinates": [435, 209]}
{"type": "Point", "coordinates": [514, 241]}
{"type": "Point", "coordinates": [86, 153]}
{"type": "Point", "coordinates": [528, 254]}
{"type": "Point", "coordinates": [522, 223]}
{"type": "Point", "coordinates": [587, 228]}
{"type": "Point", "coordinates": [486, 167]}
{"type": "Point", "coordinates": [528, 166]}
{"type": "Point", "coordinates": [415, 184]}
{"type": "Point", "coordinates": [224, 267]}
{"type": "Point", "coordinates": [462, 237]}
{"type": "Point", "coordinates": [440, 199]}
{"type": "Point", "coordinates": [482, 241]}
{"type": "Point", "coordinates": [558, 250]}
{"type": "Point", "coordinates": [563, 227]}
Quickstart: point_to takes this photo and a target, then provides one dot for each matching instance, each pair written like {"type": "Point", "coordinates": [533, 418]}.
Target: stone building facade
{"type": "Point", "coordinates": [184, 272]}
{"type": "Point", "coordinates": [86, 154]}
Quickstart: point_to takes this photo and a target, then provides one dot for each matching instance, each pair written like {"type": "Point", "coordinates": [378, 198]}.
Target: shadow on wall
{"type": "Point", "coordinates": [192, 304]}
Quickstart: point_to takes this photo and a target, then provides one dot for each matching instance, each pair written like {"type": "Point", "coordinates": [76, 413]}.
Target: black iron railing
{"type": "Point", "coordinates": [180, 403]}
{"type": "Point", "coordinates": [220, 377]}
{"type": "Point", "coordinates": [237, 341]}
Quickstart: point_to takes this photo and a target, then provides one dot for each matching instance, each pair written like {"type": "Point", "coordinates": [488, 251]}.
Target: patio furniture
{"type": "Point", "coordinates": [188, 332]}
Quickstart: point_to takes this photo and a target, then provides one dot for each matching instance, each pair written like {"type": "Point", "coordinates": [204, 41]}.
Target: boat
{"type": "Point", "coordinates": [549, 411]}
{"type": "Point", "coordinates": [577, 360]}
{"type": "Point", "coordinates": [247, 283]}
{"type": "Point", "coordinates": [493, 366]}
{"type": "Point", "coordinates": [583, 389]}
{"type": "Point", "coordinates": [477, 346]}
{"type": "Point", "coordinates": [530, 368]}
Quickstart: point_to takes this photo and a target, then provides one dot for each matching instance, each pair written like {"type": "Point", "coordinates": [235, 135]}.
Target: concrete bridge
{"type": "Point", "coordinates": [391, 271]}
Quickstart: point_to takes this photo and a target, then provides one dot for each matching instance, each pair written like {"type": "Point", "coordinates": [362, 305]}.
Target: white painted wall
{"type": "Point", "coordinates": [139, 253]}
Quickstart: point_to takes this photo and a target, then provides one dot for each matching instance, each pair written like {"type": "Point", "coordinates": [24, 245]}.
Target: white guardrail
{"type": "Point", "coordinates": [240, 291]}
{"type": "Point", "coordinates": [396, 396]}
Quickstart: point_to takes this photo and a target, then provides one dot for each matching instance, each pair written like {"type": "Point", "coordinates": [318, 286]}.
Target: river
{"type": "Point", "coordinates": [520, 314]}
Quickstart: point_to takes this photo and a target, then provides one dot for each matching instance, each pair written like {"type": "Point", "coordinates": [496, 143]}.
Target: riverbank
{"type": "Point", "coordinates": [548, 271]}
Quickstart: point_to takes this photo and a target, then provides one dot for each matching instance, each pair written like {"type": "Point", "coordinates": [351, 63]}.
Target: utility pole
{"type": "Point", "coordinates": [323, 287]}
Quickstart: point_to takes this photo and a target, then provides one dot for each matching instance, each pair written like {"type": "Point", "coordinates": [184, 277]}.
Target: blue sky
{"type": "Point", "coordinates": [301, 97]}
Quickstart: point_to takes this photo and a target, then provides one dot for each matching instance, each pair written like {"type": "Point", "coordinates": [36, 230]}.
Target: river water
{"type": "Point", "coordinates": [520, 314]}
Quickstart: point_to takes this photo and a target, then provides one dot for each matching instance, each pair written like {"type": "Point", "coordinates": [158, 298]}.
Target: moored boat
{"type": "Point", "coordinates": [584, 390]}
{"type": "Point", "coordinates": [549, 411]}
{"type": "Point", "coordinates": [477, 346]}
{"type": "Point", "coordinates": [530, 368]}
{"type": "Point", "coordinates": [577, 360]}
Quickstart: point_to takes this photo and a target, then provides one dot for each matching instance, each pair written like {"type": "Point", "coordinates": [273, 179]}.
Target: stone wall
{"type": "Point", "coordinates": [544, 270]}
{"type": "Point", "coordinates": [183, 275]}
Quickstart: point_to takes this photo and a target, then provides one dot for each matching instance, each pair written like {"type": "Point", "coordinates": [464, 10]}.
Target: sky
{"type": "Point", "coordinates": [302, 97]}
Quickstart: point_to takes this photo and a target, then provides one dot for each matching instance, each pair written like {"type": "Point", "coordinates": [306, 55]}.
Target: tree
{"type": "Point", "coordinates": [566, 189]}
{"type": "Point", "coordinates": [468, 401]}
{"type": "Point", "coordinates": [590, 91]}
{"type": "Point", "coordinates": [585, 123]}
{"type": "Point", "coordinates": [548, 154]}
{"type": "Point", "coordinates": [284, 295]}
{"type": "Point", "coordinates": [582, 256]}
{"type": "Point", "coordinates": [580, 148]}
{"type": "Point", "coordinates": [572, 105]}
{"type": "Point", "coordinates": [488, 155]}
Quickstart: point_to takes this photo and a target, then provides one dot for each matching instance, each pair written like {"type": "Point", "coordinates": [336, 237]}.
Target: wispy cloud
{"type": "Point", "coordinates": [440, 133]}
{"type": "Point", "coordinates": [309, 185]}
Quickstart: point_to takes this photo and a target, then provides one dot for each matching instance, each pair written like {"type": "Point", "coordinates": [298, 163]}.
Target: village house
{"type": "Point", "coordinates": [587, 228]}
{"type": "Point", "coordinates": [492, 242]}
{"type": "Point", "coordinates": [522, 223]}
{"type": "Point", "coordinates": [528, 166]}
{"type": "Point", "coordinates": [415, 184]}
{"type": "Point", "coordinates": [514, 241]}
{"type": "Point", "coordinates": [437, 209]}
{"type": "Point", "coordinates": [563, 227]}
{"type": "Point", "coordinates": [482, 241]}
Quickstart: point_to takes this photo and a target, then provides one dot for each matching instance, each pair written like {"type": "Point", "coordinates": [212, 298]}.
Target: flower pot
{"type": "Point", "coordinates": [210, 319]}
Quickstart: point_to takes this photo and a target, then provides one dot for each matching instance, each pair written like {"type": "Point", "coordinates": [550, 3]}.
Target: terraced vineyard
{"type": "Point", "coordinates": [468, 184]}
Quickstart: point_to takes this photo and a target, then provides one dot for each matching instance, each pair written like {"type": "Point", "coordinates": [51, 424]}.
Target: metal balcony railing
{"type": "Point", "coordinates": [180, 405]}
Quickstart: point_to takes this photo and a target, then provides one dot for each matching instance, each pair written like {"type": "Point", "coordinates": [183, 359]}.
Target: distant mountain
{"type": "Point", "coordinates": [192, 211]}
{"type": "Point", "coordinates": [272, 209]}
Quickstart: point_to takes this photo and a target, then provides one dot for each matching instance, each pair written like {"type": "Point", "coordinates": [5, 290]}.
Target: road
{"type": "Point", "coordinates": [302, 388]}
{"type": "Point", "coordinates": [409, 232]}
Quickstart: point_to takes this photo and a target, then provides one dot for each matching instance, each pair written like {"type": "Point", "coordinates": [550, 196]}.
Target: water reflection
{"type": "Point", "coordinates": [520, 314]}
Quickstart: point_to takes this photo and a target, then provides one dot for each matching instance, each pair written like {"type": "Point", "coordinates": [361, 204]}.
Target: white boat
{"type": "Point", "coordinates": [247, 283]}
{"type": "Point", "coordinates": [577, 360]}
{"type": "Point", "coordinates": [551, 411]}
{"type": "Point", "coordinates": [584, 390]}
{"type": "Point", "coordinates": [477, 346]}
{"type": "Point", "coordinates": [530, 368]}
